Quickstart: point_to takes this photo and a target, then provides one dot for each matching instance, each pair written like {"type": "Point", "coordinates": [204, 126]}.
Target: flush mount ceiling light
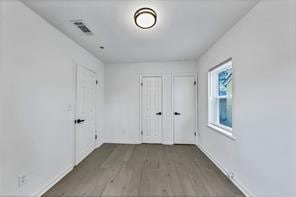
{"type": "Point", "coordinates": [145, 18]}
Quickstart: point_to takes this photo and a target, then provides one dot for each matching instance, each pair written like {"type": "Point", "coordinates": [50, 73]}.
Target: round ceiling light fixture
{"type": "Point", "coordinates": [145, 18]}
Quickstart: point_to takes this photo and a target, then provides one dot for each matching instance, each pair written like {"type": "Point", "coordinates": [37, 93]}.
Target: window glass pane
{"type": "Point", "coordinates": [225, 82]}
{"type": "Point", "coordinates": [225, 112]}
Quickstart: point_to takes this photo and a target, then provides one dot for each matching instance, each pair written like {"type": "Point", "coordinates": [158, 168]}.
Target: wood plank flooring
{"type": "Point", "coordinates": [145, 170]}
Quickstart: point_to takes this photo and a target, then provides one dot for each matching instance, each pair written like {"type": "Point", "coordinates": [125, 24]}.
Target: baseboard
{"type": "Point", "coordinates": [59, 177]}
{"type": "Point", "coordinates": [99, 143]}
{"type": "Point", "coordinates": [167, 143]}
{"type": "Point", "coordinates": [234, 180]}
{"type": "Point", "coordinates": [53, 182]}
{"type": "Point", "coordinates": [112, 141]}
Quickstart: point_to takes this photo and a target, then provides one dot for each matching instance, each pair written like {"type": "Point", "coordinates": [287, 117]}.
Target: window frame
{"type": "Point", "coordinates": [213, 99]}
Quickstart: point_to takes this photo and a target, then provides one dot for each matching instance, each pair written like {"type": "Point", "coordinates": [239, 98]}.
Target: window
{"type": "Point", "coordinates": [220, 97]}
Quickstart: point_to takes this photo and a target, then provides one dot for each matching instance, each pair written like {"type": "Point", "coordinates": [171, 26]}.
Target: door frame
{"type": "Point", "coordinates": [196, 137]}
{"type": "Point", "coordinates": [75, 70]}
{"type": "Point", "coordinates": [141, 110]}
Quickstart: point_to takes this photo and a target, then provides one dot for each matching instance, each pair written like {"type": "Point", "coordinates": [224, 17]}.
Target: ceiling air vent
{"type": "Point", "coordinates": [82, 26]}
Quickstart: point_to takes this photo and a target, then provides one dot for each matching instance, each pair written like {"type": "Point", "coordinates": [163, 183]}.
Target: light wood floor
{"type": "Point", "coordinates": [145, 170]}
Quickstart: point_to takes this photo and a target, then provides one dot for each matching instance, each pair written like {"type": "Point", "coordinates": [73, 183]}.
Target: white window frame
{"type": "Point", "coordinates": [213, 113]}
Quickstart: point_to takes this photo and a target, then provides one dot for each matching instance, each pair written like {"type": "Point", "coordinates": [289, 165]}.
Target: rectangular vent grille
{"type": "Point", "coordinates": [81, 25]}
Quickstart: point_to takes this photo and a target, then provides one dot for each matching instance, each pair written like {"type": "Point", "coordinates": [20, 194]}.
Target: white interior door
{"type": "Point", "coordinates": [184, 109]}
{"type": "Point", "coordinates": [85, 113]}
{"type": "Point", "coordinates": [152, 109]}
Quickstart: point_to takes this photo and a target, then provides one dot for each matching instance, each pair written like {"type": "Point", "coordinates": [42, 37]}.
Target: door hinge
{"type": "Point", "coordinates": [141, 132]}
{"type": "Point", "coordinates": [141, 83]}
{"type": "Point", "coordinates": [96, 82]}
{"type": "Point", "coordinates": [195, 83]}
{"type": "Point", "coordinates": [96, 136]}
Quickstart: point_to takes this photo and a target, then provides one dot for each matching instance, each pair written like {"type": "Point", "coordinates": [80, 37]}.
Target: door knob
{"type": "Point", "coordinates": [159, 113]}
{"type": "Point", "coordinates": [79, 121]}
{"type": "Point", "coordinates": [177, 113]}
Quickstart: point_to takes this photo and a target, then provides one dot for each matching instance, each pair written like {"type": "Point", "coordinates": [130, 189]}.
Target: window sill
{"type": "Point", "coordinates": [222, 131]}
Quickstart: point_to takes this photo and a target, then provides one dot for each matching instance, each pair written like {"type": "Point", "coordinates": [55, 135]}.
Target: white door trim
{"type": "Point", "coordinates": [195, 104]}
{"type": "Point", "coordinates": [140, 112]}
{"type": "Point", "coordinates": [75, 108]}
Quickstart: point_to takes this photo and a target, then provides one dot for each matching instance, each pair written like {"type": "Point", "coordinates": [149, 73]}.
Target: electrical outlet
{"type": "Point", "coordinates": [22, 180]}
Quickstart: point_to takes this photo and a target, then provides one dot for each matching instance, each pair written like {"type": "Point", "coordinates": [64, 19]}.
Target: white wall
{"type": "Point", "coordinates": [36, 80]}
{"type": "Point", "coordinates": [1, 115]}
{"type": "Point", "coordinates": [262, 46]}
{"type": "Point", "coordinates": [122, 98]}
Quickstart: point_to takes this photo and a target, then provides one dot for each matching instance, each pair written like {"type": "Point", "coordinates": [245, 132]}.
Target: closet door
{"type": "Point", "coordinates": [184, 109]}
{"type": "Point", "coordinates": [152, 109]}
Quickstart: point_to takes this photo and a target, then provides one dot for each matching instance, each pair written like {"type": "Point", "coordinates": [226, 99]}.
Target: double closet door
{"type": "Point", "coordinates": [183, 100]}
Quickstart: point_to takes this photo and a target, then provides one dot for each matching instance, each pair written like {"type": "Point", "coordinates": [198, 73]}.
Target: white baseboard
{"type": "Point", "coordinates": [234, 180]}
{"type": "Point", "coordinates": [62, 175]}
{"type": "Point", "coordinates": [53, 182]}
{"type": "Point", "coordinates": [99, 143]}
{"type": "Point", "coordinates": [167, 143]}
{"type": "Point", "coordinates": [113, 141]}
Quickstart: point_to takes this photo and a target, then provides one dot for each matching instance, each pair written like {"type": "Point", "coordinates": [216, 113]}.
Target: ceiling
{"type": "Point", "coordinates": [185, 28]}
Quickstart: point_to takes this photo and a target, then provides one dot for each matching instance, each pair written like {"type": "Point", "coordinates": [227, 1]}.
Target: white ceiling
{"type": "Point", "coordinates": [185, 28]}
